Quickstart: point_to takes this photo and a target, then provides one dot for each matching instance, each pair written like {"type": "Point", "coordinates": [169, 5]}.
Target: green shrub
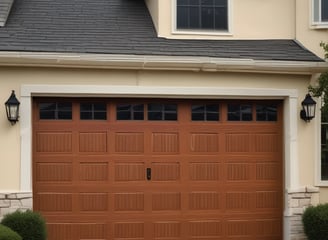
{"type": "Point", "coordinates": [7, 234]}
{"type": "Point", "coordinates": [315, 222]}
{"type": "Point", "coordinates": [29, 225]}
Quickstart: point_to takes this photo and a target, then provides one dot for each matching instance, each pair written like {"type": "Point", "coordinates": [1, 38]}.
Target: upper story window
{"type": "Point", "coordinates": [320, 12]}
{"type": "Point", "coordinates": [210, 15]}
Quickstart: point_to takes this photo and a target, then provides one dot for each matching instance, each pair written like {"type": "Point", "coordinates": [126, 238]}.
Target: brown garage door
{"type": "Point", "coordinates": [158, 169]}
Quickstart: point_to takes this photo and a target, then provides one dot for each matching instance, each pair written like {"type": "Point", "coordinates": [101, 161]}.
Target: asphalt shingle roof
{"type": "Point", "coordinates": [121, 27]}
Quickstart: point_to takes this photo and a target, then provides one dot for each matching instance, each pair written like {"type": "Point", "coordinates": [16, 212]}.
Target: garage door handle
{"type": "Point", "coordinates": [148, 173]}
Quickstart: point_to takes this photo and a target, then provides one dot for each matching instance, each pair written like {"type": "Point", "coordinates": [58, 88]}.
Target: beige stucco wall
{"type": "Point", "coordinates": [310, 37]}
{"type": "Point", "coordinates": [154, 11]}
{"type": "Point", "coordinates": [13, 78]}
{"type": "Point", "coordinates": [274, 19]}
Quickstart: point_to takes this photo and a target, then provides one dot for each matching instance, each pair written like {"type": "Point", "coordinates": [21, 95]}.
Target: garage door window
{"type": "Point", "coordinates": [205, 112]}
{"type": "Point", "coordinates": [239, 112]}
{"type": "Point", "coordinates": [55, 111]}
{"type": "Point", "coordinates": [266, 113]}
{"type": "Point", "coordinates": [93, 111]}
{"type": "Point", "coordinates": [162, 112]}
{"type": "Point", "coordinates": [130, 112]}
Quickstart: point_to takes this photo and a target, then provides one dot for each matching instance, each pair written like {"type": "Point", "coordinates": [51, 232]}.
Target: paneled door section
{"type": "Point", "coordinates": [158, 169]}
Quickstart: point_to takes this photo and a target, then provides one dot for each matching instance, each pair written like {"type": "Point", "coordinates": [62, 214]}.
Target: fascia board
{"type": "Point", "coordinates": [144, 62]}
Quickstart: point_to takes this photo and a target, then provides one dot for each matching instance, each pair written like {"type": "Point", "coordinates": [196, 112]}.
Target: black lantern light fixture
{"type": "Point", "coordinates": [308, 111]}
{"type": "Point", "coordinates": [12, 108]}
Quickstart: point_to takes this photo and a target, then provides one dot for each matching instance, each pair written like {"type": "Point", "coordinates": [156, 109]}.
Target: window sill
{"type": "Point", "coordinates": [322, 183]}
{"type": "Point", "coordinates": [202, 33]}
{"type": "Point", "coordinates": [323, 25]}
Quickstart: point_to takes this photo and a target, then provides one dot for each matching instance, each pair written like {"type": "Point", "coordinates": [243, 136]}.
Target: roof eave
{"type": "Point", "coordinates": [146, 62]}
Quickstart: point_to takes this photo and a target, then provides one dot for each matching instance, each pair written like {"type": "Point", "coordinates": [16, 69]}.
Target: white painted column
{"type": "Point", "coordinates": [291, 160]}
{"type": "Point", "coordinates": [26, 143]}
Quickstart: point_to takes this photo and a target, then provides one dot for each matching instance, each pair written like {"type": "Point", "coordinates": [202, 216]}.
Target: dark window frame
{"type": "Point", "coordinates": [202, 16]}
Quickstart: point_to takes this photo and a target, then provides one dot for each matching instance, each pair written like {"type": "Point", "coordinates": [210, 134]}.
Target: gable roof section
{"type": "Point", "coordinates": [5, 6]}
{"type": "Point", "coordinates": [121, 27]}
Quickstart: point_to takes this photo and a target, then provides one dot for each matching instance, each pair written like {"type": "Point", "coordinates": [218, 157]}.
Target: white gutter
{"type": "Point", "coordinates": [111, 61]}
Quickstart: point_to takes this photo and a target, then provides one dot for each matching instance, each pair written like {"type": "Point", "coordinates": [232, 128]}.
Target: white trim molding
{"type": "Point", "coordinates": [289, 96]}
{"type": "Point", "coordinates": [174, 63]}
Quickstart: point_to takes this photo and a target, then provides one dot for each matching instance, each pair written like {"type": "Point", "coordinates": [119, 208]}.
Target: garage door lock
{"type": "Point", "coordinates": [148, 173]}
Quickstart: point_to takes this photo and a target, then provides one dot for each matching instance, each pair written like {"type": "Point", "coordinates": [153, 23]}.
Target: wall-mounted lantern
{"type": "Point", "coordinates": [308, 111]}
{"type": "Point", "coordinates": [12, 108]}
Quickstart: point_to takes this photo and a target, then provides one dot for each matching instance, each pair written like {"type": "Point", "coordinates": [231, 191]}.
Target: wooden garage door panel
{"type": "Point", "coordinates": [112, 179]}
{"type": "Point", "coordinates": [78, 231]}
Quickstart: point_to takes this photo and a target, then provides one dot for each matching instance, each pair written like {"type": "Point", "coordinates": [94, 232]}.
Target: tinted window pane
{"type": "Point", "coordinates": [55, 111]}
{"type": "Point", "coordinates": [100, 107]}
{"type": "Point", "coordinates": [170, 116]}
{"type": "Point", "coordinates": [194, 18]}
{"type": "Point", "coordinates": [47, 106]}
{"type": "Point", "coordinates": [207, 112]}
{"type": "Point", "coordinates": [86, 107]}
{"type": "Point", "coordinates": [207, 18]}
{"type": "Point", "coordinates": [207, 2]}
{"type": "Point", "coordinates": [221, 3]}
{"type": "Point", "coordinates": [237, 112]}
{"type": "Point", "coordinates": [157, 111]}
{"type": "Point", "coordinates": [266, 113]}
{"type": "Point", "coordinates": [212, 117]}
{"type": "Point", "coordinates": [155, 107]}
{"type": "Point", "coordinates": [212, 108]}
{"type": "Point", "coordinates": [170, 107]}
{"type": "Point", "coordinates": [100, 115]}
{"type": "Point", "coordinates": [197, 117]}
{"type": "Point", "coordinates": [85, 115]}
{"type": "Point", "coordinates": [138, 116]}
{"type": "Point", "coordinates": [198, 108]}
{"type": "Point", "coordinates": [123, 115]}
{"type": "Point", "coordinates": [233, 112]}
{"type": "Point", "coordinates": [221, 19]}
{"type": "Point", "coordinates": [130, 112]}
{"type": "Point", "coordinates": [182, 17]}
{"type": "Point", "coordinates": [324, 165]}
{"type": "Point", "coordinates": [93, 111]}
{"type": "Point", "coordinates": [324, 10]}
{"type": "Point", "coordinates": [47, 115]}
{"type": "Point", "coordinates": [202, 14]}
{"type": "Point", "coordinates": [182, 2]}
{"type": "Point", "coordinates": [154, 116]}
{"type": "Point", "coordinates": [64, 106]}
{"type": "Point", "coordinates": [66, 115]}
{"type": "Point", "coordinates": [324, 150]}
{"type": "Point", "coordinates": [125, 107]}
{"type": "Point", "coordinates": [138, 107]}
{"type": "Point", "coordinates": [246, 113]}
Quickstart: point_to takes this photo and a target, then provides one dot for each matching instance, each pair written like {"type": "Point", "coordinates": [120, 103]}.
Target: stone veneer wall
{"type": "Point", "coordinates": [10, 202]}
{"type": "Point", "coordinates": [298, 201]}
